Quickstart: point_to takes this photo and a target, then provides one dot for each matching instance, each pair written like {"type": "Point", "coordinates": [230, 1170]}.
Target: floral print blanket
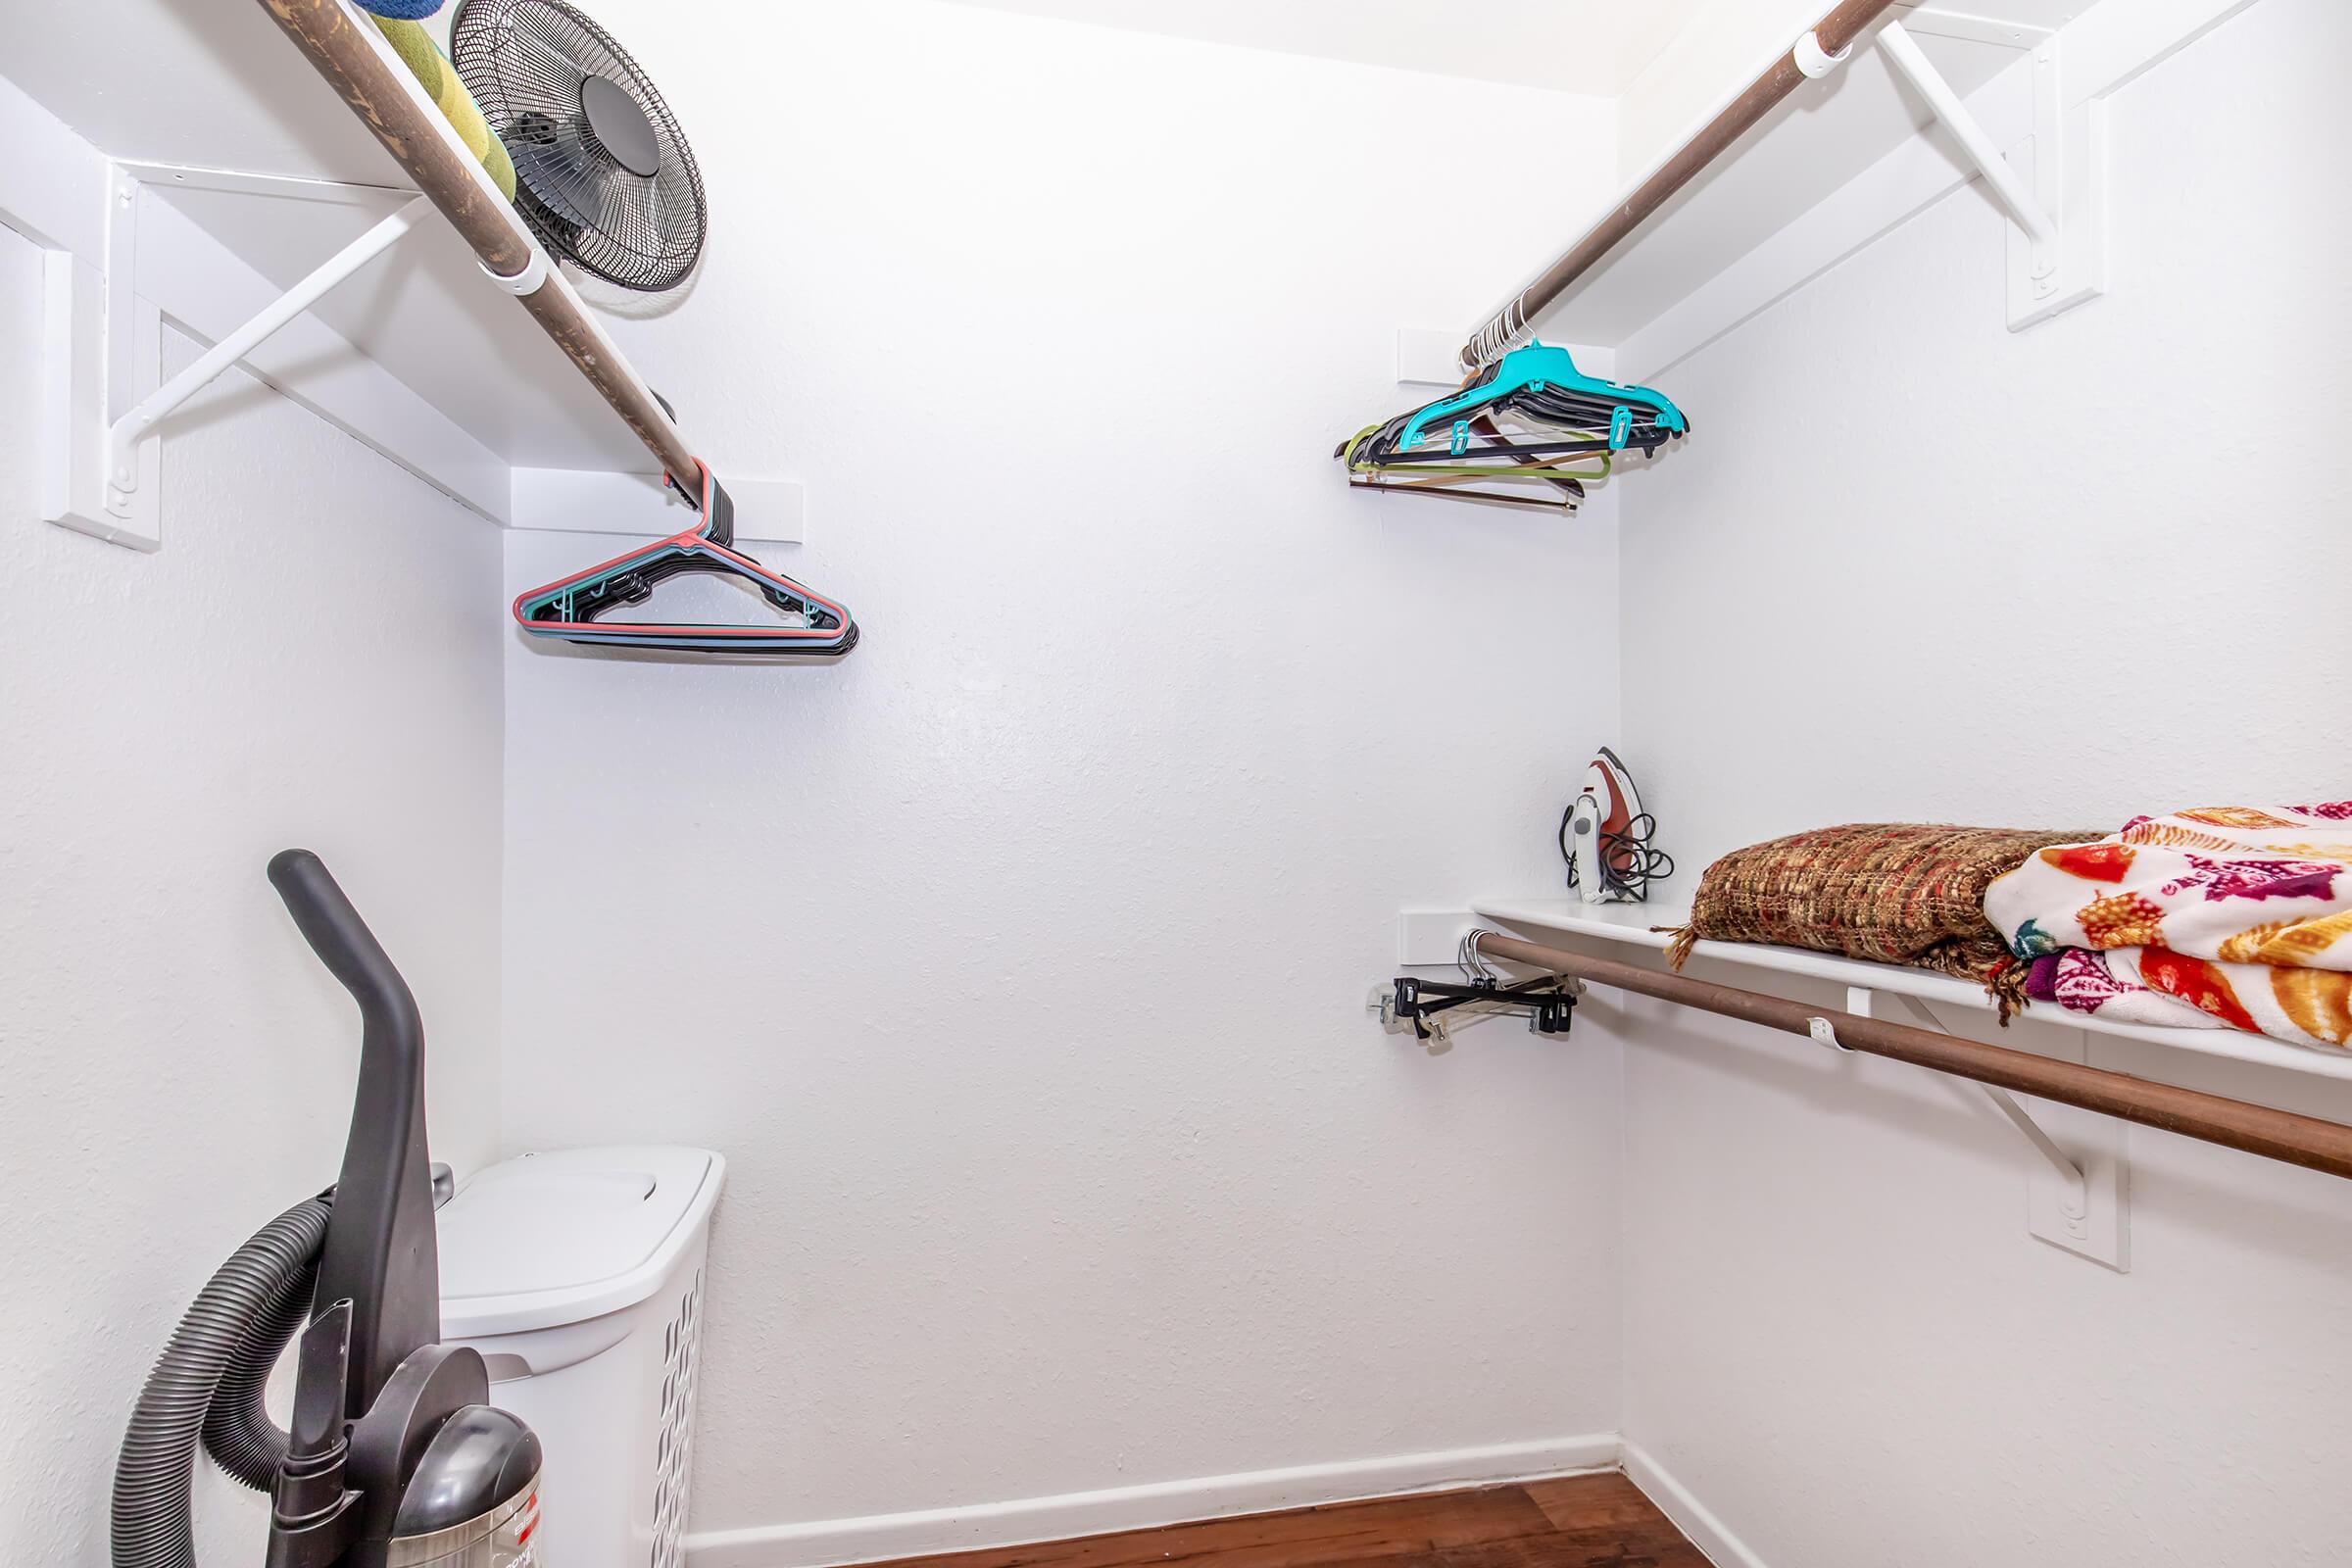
{"type": "Point", "coordinates": [2229, 916]}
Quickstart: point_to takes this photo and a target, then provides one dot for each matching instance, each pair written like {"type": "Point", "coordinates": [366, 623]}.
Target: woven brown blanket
{"type": "Point", "coordinates": [1889, 892]}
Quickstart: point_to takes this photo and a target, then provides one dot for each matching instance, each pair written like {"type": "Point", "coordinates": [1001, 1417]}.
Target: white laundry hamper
{"type": "Point", "coordinates": [578, 1275]}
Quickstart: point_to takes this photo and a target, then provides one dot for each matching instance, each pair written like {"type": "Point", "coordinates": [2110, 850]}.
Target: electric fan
{"type": "Point", "coordinates": [603, 174]}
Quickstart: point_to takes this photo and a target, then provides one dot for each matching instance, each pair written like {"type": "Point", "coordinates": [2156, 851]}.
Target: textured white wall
{"type": "Point", "coordinates": [1710, 56]}
{"type": "Point", "coordinates": [1916, 567]}
{"type": "Point", "coordinates": [1017, 962]}
{"type": "Point", "coordinates": [313, 659]}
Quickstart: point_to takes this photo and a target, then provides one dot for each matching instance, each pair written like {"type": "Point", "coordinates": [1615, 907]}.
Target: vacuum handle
{"type": "Point", "coordinates": [379, 1254]}
{"type": "Point", "coordinates": [347, 948]}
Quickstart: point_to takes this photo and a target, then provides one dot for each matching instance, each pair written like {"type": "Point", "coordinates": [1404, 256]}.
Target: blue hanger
{"type": "Point", "coordinates": [1542, 368]}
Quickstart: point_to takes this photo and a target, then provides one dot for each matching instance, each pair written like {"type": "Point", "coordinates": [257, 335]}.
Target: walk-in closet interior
{"type": "Point", "coordinates": [1078, 783]}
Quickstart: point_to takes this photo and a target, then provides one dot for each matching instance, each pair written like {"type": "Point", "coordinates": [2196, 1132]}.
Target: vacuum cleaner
{"type": "Point", "coordinates": [396, 1457]}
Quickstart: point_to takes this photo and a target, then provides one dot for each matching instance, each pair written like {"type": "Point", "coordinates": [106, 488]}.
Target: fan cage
{"type": "Point", "coordinates": [525, 62]}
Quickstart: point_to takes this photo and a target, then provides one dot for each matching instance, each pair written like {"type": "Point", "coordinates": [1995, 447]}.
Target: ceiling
{"type": "Point", "coordinates": [1588, 46]}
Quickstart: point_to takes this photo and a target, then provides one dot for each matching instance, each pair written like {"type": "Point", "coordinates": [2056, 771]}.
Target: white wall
{"type": "Point", "coordinates": [312, 660]}
{"type": "Point", "coordinates": [1686, 80]}
{"type": "Point", "coordinates": [1915, 567]}
{"type": "Point", "coordinates": [1017, 961]}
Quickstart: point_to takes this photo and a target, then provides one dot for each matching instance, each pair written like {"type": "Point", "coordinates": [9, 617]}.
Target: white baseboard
{"type": "Point", "coordinates": [878, 1538]}
{"type": "Point", "coordinates": [1690, 1516]}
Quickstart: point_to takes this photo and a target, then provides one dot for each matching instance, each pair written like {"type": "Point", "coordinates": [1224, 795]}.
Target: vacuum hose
{"type": "Point", "coordinates": [208, 1385]}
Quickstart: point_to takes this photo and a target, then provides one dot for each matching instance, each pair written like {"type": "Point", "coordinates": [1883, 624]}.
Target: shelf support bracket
{"type": "Point", "coordinates": [101, 465]}
{"type": "Point", "coordinates": [2069, 1173]}
{"type": "Point", "coordinates": [2006, 182]}
{"type": "Point", "coordinates": [125, 435]}
{"type": "Point", "coordinates": [2075, 1202]}
{"type": "Point", "coordinates": [2058, 249]}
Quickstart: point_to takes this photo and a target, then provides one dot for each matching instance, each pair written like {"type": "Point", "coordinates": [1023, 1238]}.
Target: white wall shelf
{"type": "Point", "coordinates": [184, 164]}
{"type": "Point", "coordinates": [1855, 153]}
{"type": "Point", "coordinates": [1630, 924]}
{"type": "Point", "coordinates": [429, 318]}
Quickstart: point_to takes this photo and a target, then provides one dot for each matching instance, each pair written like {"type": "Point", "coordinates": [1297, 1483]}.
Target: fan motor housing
{"type": "Point", "coordinates": [615, 120]}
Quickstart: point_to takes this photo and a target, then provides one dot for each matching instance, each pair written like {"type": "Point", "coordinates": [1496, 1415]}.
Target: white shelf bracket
{"type": "Point", "coordinates": [100, 343]}
{"type": "Point", "coordinates": [123, 437]}
{"type": "Point", "coordinates": [2057, 247]}
{"type": "Point", "coordinates": [2060, 1162]}
{"type": "Point", "coordinates": [101, 462]}
{"type": "Point", "coordinates": [2075, 1200]}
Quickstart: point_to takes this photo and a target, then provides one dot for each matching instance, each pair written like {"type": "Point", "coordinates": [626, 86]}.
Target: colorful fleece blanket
{"type": "Point", "coordinates": [2083, 981]}
{"type": "Point", "coordinates": [2242, 913]}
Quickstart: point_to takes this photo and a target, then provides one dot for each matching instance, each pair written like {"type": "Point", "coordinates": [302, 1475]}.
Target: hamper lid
{"type": "Point", "coordinates": [569, 1235]}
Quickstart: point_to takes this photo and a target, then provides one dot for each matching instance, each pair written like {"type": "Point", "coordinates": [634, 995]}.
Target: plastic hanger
{"type": "Point", "coordinates": [1542, 381]}
{"type": "Point", "coordinates": [1564, 463]}
{"type": "Point", "coordinates": [1533, 417]}
{"type": "Point", "coordinates": [570, 609]}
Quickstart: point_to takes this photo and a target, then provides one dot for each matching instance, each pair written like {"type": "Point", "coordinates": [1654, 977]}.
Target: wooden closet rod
{"type": "Point", "coordinates": [1834, 32]}
{"type": "Point", "coordinates": [328, 34]}
{"type": "Point", "coordinates": [2280, 1135]}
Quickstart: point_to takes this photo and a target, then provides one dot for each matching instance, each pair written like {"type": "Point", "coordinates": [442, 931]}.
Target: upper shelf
{"type": "Point", "coordinates": [1788, 177]}
{"type": "Point", "coordinates": [1819, 139]}
{"type": "Point", "coordinates": [1631, 925]}
{"type": "Point", "coordinates": [427, 316]}
{"type": "Point", "coordinates": [157, 85]}
{"type": "Point", "coordinates": [209, 84]}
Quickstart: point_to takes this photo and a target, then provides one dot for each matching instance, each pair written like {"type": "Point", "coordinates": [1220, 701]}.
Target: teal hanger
{"type": "Point", "coordinates": [1550, 372]}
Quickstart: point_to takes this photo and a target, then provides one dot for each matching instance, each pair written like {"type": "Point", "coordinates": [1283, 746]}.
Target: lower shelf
{"type": "Point", "coordinates": [1632, 925]}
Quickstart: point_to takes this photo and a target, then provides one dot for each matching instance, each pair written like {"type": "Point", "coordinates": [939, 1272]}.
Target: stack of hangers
{"type": "Point", "coordinates": [1532, 417]}
{"type": "Point", "coordinates": [570, 609]}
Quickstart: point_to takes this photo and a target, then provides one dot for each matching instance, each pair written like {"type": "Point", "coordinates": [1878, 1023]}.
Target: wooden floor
{"type": "Point", "coordinates": [1596, 1521]}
